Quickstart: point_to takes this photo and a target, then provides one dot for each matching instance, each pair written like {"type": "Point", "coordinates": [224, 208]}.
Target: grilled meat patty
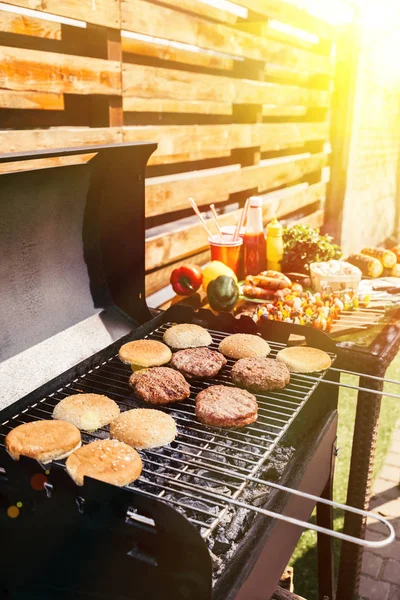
{"type": "Point", "coordinates": [260, 374]}
{"type": "Point", "coordinates": [198, 362]}
{"type": "Point", "coordinates": [160, 385]}
{"type": "Point", "coordinates": [223, 406]}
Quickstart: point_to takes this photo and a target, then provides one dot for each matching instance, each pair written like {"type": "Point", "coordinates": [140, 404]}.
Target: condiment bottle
{"type": "Point", "coordinates": [274, 245]}
{"type": "Point", "coordinates": [254, 244]}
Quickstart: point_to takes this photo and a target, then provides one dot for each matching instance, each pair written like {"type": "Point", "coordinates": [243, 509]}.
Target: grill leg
{"type": "Point", "coordinates": [326, 575]}
{"type": "Point", "coordinates": [359, 488]}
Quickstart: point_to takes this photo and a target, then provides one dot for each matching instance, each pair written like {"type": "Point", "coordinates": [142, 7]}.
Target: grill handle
{"type": "Point", "coordinates": [298, 522]}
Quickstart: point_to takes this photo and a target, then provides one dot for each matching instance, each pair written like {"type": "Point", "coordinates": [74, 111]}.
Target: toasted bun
{"type": "Point", "coordinates": [144, 428]}
{"type": "Point", "coordinates": [187, 336]}
{"type": "Point", "coordinates": [145, 353]}
{"type": "Point", "coordinates": [244, 345]}
{"type": "Point", "coordinates": [87, 411]}
{"type": "Point", "coordinates": [106, 460]}
{"type": "Point", "coordinates": [303, 359]}
{"type": "Point", "coordinates": [43, 440]}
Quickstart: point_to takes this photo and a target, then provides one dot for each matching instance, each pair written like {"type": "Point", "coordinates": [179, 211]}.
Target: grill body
{"type": "Point", "coordinates": [151, 539]}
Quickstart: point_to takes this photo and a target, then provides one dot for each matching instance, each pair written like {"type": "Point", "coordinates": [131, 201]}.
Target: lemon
{"type": "Point", "coordinates": [214, 270]}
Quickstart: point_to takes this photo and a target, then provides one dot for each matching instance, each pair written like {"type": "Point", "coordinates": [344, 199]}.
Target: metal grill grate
{"type": "Point", "coordinates": [203, 461]}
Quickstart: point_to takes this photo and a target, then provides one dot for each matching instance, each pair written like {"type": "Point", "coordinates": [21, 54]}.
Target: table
{"type": "Point", "coordinates": [381, 347]}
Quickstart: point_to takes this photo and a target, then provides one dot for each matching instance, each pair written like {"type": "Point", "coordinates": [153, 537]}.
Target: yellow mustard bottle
{"type": "Point", "coordinates": [274, 245]}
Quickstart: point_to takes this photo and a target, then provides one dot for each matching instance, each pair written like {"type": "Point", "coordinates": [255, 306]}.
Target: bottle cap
{"type": "Point", "coordinates": [274, 228]}
{"type": "Point", "coordinates": [255, 201]}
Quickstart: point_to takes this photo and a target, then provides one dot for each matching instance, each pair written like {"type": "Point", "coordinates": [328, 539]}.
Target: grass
{"type": "Point", "coordinates": [304, 559]}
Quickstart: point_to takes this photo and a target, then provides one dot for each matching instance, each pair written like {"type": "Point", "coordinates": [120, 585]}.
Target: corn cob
{"type": "Point", "coordinates": [369, 266]}
{"type": "Point", "coordinates": [387, 258]}
{"type": "Point", "coordinates": [395, 271]}
{"type": "Point", "coordinates": [396, 251]}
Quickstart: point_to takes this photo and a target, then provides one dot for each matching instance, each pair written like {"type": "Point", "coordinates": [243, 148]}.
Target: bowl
{"type": "Point", "coordinates": [334, 276]}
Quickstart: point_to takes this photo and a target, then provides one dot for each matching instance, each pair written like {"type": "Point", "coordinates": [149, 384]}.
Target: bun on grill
{"type": "Point", "coordinates": [244, 345]}
{"type": "Point", "coordinates": [87, 411]}
{"type": "Point", "coordinates": [145, 353]}
{"type": "Point", "coordinates": [187, 335]}
{"type": "Point", "coordinates": [110, 461]}
{"type": "Point", "coordinates": [303, 359]}
{"type": "Point", "coordinates": [43, 440]}
{"type": "Point", "coordinates": [144, 428]}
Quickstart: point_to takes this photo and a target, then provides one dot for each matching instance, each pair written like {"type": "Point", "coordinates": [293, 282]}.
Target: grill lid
{"type": "Point", "coordinates": [72, 240]}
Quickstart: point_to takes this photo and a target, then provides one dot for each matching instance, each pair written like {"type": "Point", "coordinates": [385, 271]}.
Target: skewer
{"type": "Point", "coordinates": [241, 221]}
{"type": "Point", "coordinates": [346, 385]}
{"type": "Point", "coordinates": [198, 213]}
{"type": "Point", "coordinates": [214, 214]}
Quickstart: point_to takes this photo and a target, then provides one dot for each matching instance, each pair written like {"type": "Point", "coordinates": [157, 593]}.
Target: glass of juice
{"type": "Point", "coordinates": [226, 250]}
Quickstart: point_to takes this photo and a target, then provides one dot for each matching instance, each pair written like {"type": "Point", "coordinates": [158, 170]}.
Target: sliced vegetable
{"type": "Point", "coordinates": [186, 280]}
{"type": "Point", "coordinates": [368, 265]}
{"type": "Point", "coordinates": [387, 258]}
{"type": "Point", "coordinates": [223, 293]}
{"type": "Point", "coordinates": [214, 270]}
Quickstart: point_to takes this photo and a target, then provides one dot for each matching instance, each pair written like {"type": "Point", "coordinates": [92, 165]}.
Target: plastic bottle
{"type": "Point", "coordinates": [254, 244]}
{"type": "Point", "coordinates": [274, 245]}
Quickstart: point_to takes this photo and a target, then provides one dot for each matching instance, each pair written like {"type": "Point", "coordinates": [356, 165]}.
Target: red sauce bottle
{"type": "Point", "coordinates": [254, 243]}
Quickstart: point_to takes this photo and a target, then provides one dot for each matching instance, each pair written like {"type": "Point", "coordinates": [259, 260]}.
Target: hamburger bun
{"type": "Point", "coordinates": [43, 440]}
{"type": "Point", "coordinates": [187, 335]}
{"type": "Point", "coordinates": [87, 411]}
{"type": "Point", "coordinates": [144, 353]}
{"type": "Point", "coordinates": [303, 359]}
{"type": "Point", "coordinates": [244, 345]}
{"type": "Point", "coordinates": [106, 460]}
{"type": "Point", "coordinates": [144, 428]}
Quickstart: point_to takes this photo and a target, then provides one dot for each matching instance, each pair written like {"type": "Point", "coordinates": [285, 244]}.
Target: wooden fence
{"type": "Point", "coordinates": [238, 104]}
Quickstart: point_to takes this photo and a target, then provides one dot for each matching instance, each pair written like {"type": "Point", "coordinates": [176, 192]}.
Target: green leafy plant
{"type": "Point", "coordinates": [303, 245]}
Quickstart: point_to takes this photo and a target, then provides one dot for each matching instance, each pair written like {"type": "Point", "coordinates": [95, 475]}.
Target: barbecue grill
{"type": "Point", "coordinates": [210, 517]}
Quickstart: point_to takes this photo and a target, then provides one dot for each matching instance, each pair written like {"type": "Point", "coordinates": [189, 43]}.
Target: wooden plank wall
{"type": "Point", "coordinates": [237, 106]}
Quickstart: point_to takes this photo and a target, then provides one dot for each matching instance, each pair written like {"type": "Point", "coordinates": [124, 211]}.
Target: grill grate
{"type": "Point", "coordinates": [203, 460]}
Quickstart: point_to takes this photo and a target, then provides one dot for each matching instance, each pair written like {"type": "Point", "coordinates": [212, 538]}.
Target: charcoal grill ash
{"type": "Point", "coordinates": [194, 525]}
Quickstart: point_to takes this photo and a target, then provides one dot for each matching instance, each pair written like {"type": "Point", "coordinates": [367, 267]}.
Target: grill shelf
{"type": "Point", "coordinates": [225, 460]}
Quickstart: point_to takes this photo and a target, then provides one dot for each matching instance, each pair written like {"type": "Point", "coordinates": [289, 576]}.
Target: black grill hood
{"type": "Point", "coordinates": [72, 242]}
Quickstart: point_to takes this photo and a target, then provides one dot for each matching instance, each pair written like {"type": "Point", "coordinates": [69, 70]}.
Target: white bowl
{"type": "Point", "coordinates": [334, 276]}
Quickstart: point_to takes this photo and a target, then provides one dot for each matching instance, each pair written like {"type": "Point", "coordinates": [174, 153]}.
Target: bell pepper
{"type": "Point", "coordinates": [186, 280]}
{"type": "Point", "coordinates": [222, 293]}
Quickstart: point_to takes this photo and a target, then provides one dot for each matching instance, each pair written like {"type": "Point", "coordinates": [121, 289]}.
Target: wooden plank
{"type": "Point", "coordinates": [31, 100]}
{"type": "Point", "coordinates": [200, 8]}
{"type": "Point", "coordinates": [175, 106]}
{"type": "Point", "coordinates": [315, 219]}
{"type": "Point", "coordinates": [44, 163]}
{"type": "Point", "coordinates": [154, 82]}
{"type": "Point", "coordinates": [99, 12]}
{"type": "Point", "coordinates": [264, 29]}
{"type": "Point", "coordinates": [271, 110]}
{"type": "Point", "coordinates": [171, 53]}
{"type": "Point", "coordinates": [158, 279]}
{"type": "Point", "coordinates": [170, 193]}
{"type": "Point", "coordinates": [178, 142]}
{"type": "Point", "coordinates": [57, 137]}
{"type": "Point", "coordinates": [165, 248]}
{"type": "Point", "coordinates": [23, 25]}
{"type": "Point", "coordinates": [287, 13]}
{"type": "Point", "coordinates": [149, 19]}
{"type": "Point", "coordinates": [40, 71]}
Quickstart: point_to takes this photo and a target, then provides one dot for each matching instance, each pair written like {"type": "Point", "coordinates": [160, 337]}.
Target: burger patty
{"type": "Point", "coordinates": [198, 362]}
{"type": "Point", "coordinates": [159, 385]}
{"type": "Point", "coordinates": [223, 406]}
{"type": "Point", "coordinates": [260, 374]}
